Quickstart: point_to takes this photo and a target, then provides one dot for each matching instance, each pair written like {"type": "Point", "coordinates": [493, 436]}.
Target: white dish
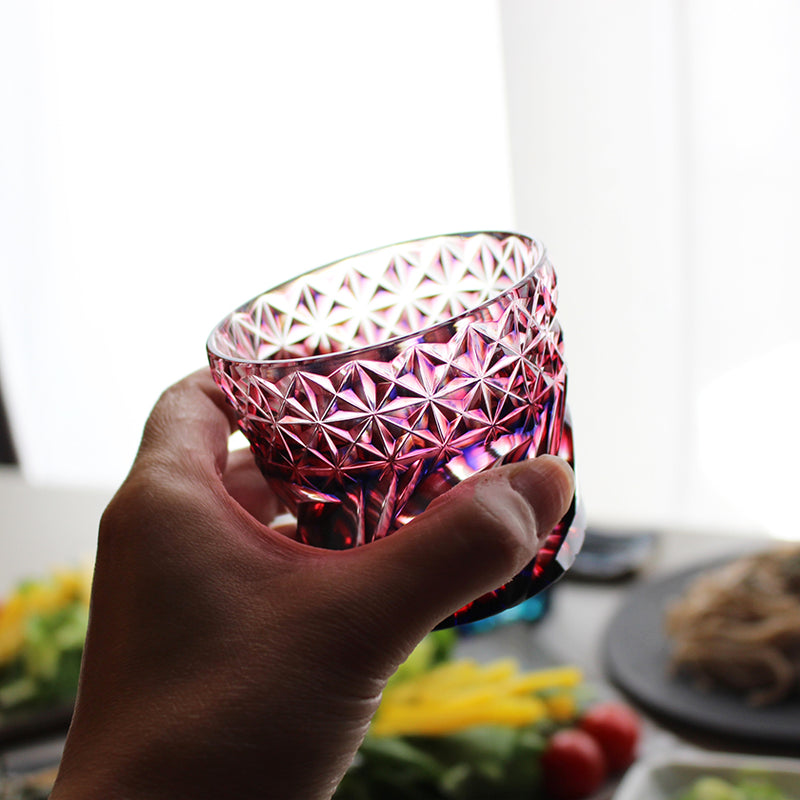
{"type": "Point", "coordinates": [664, 777]}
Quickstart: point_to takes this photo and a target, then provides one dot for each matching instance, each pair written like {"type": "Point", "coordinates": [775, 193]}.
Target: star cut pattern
{"type": "Point", "coordinates": [368, 387]}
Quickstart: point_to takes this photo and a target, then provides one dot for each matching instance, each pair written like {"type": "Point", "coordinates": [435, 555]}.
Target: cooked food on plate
{"type": "Point", "coordinates": [737, 627]}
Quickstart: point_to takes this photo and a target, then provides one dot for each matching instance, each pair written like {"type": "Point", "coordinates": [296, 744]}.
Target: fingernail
{"type": "Point", "coordinates": [548, 484]}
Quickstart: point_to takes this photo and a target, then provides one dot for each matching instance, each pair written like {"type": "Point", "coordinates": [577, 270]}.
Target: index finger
{"type": "Point", "coordinates": [189, 425]}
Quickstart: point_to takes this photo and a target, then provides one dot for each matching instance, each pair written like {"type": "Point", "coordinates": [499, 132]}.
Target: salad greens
{"type": "Point", "coordinates": [456, 730]}
{"type": "Point", "coordinates": [747, 787]}
{"type": "Point", "coordinates": [483, 762]}
{"type": "Point", "coordinates": [42, 631]}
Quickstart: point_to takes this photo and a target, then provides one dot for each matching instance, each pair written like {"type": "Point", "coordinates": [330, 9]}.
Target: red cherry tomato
{"type": "Point", "coordinates": [616, 729]}
{"type": "Point", "coordinates": [573, 765]}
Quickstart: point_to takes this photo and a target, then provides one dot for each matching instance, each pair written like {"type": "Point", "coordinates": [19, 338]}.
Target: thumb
{"type": "Point", "coordinates": [469, 541]}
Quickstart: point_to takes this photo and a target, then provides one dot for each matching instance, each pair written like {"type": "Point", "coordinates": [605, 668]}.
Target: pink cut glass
{"type": "Point", "coordinates": [369, 386]}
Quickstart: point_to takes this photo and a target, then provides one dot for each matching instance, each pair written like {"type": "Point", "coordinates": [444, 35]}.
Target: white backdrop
{"type": "Point", "coordinates": [654, 145]}
{"type": "Point", "coordinates": [162, 162]}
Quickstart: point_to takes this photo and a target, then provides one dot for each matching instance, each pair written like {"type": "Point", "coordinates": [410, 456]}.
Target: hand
{"type": "Point", "coordinates": [225, 659]}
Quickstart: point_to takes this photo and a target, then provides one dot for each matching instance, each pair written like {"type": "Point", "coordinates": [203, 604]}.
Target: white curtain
{"type": "Point", "coordinates": [162, 162]}
{"type": "Point", "coordinates": [655, 148]}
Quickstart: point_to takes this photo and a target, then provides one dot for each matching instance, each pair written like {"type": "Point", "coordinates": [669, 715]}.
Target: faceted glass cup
{"type": "Point", "coordinates": [371, 385]}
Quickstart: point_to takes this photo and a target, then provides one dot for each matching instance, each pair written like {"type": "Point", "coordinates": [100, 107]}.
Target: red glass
{"type": "Point", "coordinates": [369, 386]}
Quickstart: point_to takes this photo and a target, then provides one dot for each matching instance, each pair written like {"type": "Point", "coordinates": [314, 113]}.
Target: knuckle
{"type": "Point", "coordinates": [142, 506]}
{"type": "Point", "coordinates": [125, 509]}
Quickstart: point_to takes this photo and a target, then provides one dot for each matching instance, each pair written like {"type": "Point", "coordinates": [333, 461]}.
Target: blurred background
{"type": "Point", "coordinates": [162, 162]}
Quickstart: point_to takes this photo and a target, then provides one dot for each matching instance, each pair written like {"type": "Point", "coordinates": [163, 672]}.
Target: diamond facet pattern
{"type": "Point", "coordinates": [368, 387]}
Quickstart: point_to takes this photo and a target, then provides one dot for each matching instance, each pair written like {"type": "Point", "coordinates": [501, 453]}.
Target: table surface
{"type": "Point", "coordinates": [573, 632]}
{"type": "Point", "coordinates": [580, 611]}
{"type": "Point", "coordinates": [41, 528]}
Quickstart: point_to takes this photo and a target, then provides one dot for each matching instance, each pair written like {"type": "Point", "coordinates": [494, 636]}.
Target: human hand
{"type": "Point", "coordinates": [225, 659]}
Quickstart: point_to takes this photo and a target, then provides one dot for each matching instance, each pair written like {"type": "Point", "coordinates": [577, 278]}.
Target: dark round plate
{"type": "Point", "coordinates": [637, 658]}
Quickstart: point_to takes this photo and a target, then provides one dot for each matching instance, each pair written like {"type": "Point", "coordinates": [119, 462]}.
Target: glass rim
{"type": "Point", "coordinates": [538, 248]}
